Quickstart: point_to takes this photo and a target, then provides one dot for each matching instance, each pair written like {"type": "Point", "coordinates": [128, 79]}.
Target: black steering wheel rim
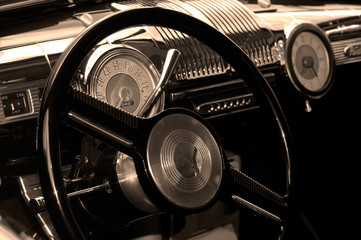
{"type": "Point", "coordinates": [58, 83]}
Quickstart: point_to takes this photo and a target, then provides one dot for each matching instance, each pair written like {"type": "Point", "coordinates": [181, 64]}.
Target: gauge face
{"type": "Point", "coordinates": [124, 78]}
{"type": "Point", "coordinates": [309, 62]}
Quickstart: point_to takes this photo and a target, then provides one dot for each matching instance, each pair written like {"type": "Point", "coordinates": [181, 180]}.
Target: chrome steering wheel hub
{"type": "Point", "coordinates": [185, 161]}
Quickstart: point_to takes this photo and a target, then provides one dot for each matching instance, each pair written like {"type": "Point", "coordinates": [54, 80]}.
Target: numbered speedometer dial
{"type": "Point", "coordinates": [309, 61]}
{"type": "Point", "coordinates": [124, 78]}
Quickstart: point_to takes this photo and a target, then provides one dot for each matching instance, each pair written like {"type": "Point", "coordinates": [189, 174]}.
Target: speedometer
{"type": "Point", "coordinates": [124, 78]}
{"type": "Point", "coordinates": [309, 60]}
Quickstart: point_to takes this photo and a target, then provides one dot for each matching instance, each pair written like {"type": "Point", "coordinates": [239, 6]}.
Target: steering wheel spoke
{"type": "Point", "coordinates": [249, 193]}
{"type": "Point", "coordinates": [96, 118]}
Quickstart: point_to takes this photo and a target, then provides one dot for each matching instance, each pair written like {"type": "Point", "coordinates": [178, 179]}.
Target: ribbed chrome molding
{"type": "Point", "coordinates": [230, 17]}
{"type": "Point", "coordinates": [340, 48]}
{"type": "Point", "coordinates": [236, 21]}
{"type": "Point", "coordinates": [197, 59]}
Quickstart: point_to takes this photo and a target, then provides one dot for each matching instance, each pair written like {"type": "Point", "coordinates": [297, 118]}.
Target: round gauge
{"type": "Point", "coordinates": [309, 61]}
{"type": "Point", "coordinates": [124, 78]}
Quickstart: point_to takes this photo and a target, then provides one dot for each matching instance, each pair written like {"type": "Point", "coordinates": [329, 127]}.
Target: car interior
{"type": "Point", "coordinates": [179, 119]}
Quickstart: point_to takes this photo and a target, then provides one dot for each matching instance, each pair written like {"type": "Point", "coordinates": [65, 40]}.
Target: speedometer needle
{"type": "Point", "coordinates": [171, 61]}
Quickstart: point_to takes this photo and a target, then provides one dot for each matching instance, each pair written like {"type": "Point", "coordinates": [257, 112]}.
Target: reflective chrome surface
{"type": "Point", "coordinates": [184, 161]}
{"type": "Point", "coordinates": [130, 185]}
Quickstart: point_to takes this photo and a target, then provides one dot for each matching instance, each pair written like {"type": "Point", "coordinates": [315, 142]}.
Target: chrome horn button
{"type": "Point", "coordinates": [184, 161]}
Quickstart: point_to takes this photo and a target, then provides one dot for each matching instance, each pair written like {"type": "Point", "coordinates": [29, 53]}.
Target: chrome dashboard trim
{"type": "Point", "coordinates": [339, 48]}
{"type": "Point", "coordinates": [344, 29]}
{"type": "Point", "coordinates": [37, 50]}
{"type": "Point", "coordinates": [20, 53]}
{"type": "Point", "coordinates": [227, 104]}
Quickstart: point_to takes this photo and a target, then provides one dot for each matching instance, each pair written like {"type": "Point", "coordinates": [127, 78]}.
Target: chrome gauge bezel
{"type": "Point", "coordinates": [104, 54]}
{"type": "Point", "coordinates": [324, 47]}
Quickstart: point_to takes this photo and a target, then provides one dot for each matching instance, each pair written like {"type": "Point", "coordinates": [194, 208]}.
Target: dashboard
{"type": "Point", "coordinates": [145, 89]}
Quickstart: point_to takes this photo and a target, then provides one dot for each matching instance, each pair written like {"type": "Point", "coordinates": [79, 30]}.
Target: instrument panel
{"type": "Point", "coordinates": [308, 60]}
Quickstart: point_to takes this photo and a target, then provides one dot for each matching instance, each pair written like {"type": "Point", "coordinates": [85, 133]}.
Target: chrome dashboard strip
{"type": "Point", "coordinates": [28, 52]}
{"type": "Point", "coordinates": [20, 53]}
{"type": "Point", "coordinates": [344, 29]}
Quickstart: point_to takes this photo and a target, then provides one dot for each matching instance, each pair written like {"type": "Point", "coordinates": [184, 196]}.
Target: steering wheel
{"type": "Point", "coordinates": [154, 142]}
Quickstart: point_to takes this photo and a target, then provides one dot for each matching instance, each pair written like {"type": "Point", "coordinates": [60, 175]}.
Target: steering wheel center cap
{"type": "Point", "coordinates": [185, 161]}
